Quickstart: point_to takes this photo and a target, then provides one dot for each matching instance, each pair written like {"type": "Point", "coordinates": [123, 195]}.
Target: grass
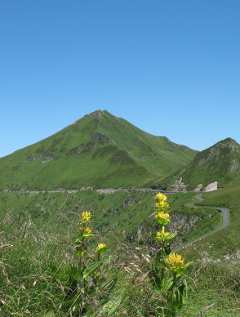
{"type": "Point", "coordinates": [38, 230]}
{"type": "Point", "coordinates": [217, 163]}
{"type": "Point", "coordinates": [217, 273]}
{"type": "Point", "coordinates": [99, 150]}
{"type": "Point", "coordinates": [207, 218]}
{"type": "Point", "coordinates": [225, 241]}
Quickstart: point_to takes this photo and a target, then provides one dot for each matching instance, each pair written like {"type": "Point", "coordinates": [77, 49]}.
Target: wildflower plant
{"type": "Point", "coordinates": [86, 275]}
{"type": "Point", "coordinates": [168, 267]}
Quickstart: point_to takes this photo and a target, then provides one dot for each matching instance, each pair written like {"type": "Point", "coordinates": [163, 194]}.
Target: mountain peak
{"type": "Point", "coordinates": [100, 150]}
{"type": "Point", "coordinates": [97, 114]}
{"type": "Point", "coordinates": [229, 141]}
{"type": "Point", "coordinates": [220, 162]}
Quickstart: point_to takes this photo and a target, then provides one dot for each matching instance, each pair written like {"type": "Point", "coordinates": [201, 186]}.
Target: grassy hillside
{"type": "Point", "coordinates": [217, 271]}
{"type": "Point", "coordinates": [220, 162]}
{"type": "Point", "coordinates": [98, 150]}
{"type": "Point", "coordinates": [38, 231]}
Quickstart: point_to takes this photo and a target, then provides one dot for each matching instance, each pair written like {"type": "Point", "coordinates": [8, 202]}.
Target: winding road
{"type": "Point", "coordinates": [225, 212]}
{"type": "Point", "coordinates": [105, 191]}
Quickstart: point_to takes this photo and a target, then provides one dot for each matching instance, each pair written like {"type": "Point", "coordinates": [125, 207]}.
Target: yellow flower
{"type": "Point", "coordinates": [101, 247]}
{"type": "Point", "coordinates": [163, 218]}
{"type": "Point", "coordinates": [164, 235]}
{"type": "Point", "coordinates": [162, 205]}
{"type": "Point", "coordinates": [85, 216]}
{"type": "Point", "coordinates": [175, 262]}
{"type": "Point", "coordinates": [160, 197]}
{"type": "Point", "coordinates": [87, 232]}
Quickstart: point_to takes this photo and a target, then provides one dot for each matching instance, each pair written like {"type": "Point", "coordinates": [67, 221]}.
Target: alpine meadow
{"type": "Point", "coordinates": [78, 231]}
{"type": "Point", "coordinates": [119, 158]}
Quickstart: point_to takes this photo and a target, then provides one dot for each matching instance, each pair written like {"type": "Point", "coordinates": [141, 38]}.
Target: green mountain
{"type": "Point", "coordinates": [220, 162]}
{"type": "Point", "coordinates": [98, 150]}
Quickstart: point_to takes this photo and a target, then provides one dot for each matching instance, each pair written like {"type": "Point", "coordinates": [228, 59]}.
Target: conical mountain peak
{"type": "Point", "coordinates": [98, 150]}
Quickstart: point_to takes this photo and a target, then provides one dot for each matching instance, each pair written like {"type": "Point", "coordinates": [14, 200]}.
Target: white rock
{"type": "Point", "coordinates": [211, 187]}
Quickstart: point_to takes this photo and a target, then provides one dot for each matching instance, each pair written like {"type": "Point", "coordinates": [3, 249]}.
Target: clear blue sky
{"type": "Point", "coordinates": [170, 67]}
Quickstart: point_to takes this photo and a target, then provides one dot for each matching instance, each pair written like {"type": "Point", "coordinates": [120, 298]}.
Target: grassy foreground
{"type": "Point", "coordinates": [37, 232]}
{"type": "Point", "coordinates": [217, 276]}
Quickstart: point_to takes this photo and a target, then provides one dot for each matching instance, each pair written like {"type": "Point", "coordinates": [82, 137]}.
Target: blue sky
{"type": "Point", "coordinates": [170, 67]}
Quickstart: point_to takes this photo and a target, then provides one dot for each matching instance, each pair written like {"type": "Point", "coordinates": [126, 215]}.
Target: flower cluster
{"type": "Point", "coordinates": [173, 261]}
{"type": "Point", "coordinates": [85, 216]}
{"type": "Point", "coordinates": [163, 218]}
{"type": "Point", "coordinates": [101, 248]}
{"type": "Point", "coordinates": [85, 233]}
{"type": "Point", "coordinates": [88, 271]}
{"type": "Point", "coordinates": [168, 267]}
{"type": "Point", "coordinates": [161, 202]}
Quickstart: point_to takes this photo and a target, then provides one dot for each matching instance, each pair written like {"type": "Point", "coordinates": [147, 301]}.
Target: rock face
{"type": "Point", "coordinates": [211, 187]}
{"type": "Point", "coordinates": [178, 186]}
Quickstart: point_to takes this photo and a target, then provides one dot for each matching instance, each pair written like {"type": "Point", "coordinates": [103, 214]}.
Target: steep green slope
{"type": "Point", "coordinates": [221, 163]}
{"type": "Point", "coordinates": [98, 150]}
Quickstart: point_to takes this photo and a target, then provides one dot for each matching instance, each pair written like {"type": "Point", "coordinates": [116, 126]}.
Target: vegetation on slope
{"type": "Point", "coordinates": [221, 163]}
{"type": "Point", "coordinates": [217, 271]}
{"type": "Point", "coordinates": [99, 150]}
{"type": "Point", "coordinates": [36, 235]}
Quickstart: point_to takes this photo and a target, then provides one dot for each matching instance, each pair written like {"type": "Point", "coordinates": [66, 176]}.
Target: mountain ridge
{"type": "Point", "coordinates": [97, 150]}
{"type": "Point", "coordinates": [220, 162]}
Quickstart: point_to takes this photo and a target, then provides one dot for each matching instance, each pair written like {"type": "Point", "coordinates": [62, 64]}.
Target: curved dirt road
{"type": "Point", "coordinates": [225, 212]}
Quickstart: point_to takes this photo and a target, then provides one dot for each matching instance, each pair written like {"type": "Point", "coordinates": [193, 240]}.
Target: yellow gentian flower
{"type": "Point", "coordinates": [162, 205]}
{"type": "Point", "coordinates": [87, 232]}
{"type": "Point", "coordinates": [175, 262]}
{"type": "Point", "coordinates": [85, 216]}
{"type": "Point", "coordinates": [163, 218]}
{"type": "Point", "coordinates": [160, 197]}
{"type": "Point", "coordinates": [101, 248]}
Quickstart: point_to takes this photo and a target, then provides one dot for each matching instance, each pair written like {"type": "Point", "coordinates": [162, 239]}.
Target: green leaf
{"type": "Point", "coordinates": [91, 268]}
{"type": "Point", "coordinates": [166, 284]}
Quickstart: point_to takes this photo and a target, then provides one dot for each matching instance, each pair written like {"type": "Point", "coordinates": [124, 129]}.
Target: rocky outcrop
{"type": "Point", "coordinates": [211, 187]}
{"type": "Point", "coordinates": [178, 186]}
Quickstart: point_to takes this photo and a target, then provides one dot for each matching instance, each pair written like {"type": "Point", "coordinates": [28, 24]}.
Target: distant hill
{"type": "Point", "coordinates": [98, 150]}
{"type": "Point", "coordinates": [220, 162]}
